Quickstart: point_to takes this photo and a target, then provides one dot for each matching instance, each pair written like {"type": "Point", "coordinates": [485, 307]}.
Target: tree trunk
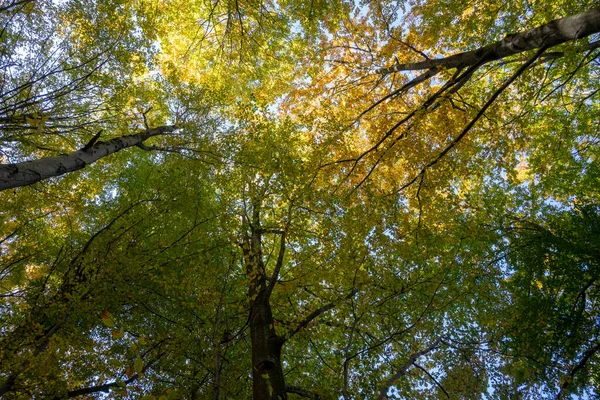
{"type": "Point", "coordinates": [268, 382]}
{"type": "Point", "coordinates": [548, 35]}
{"type": "Point", "coordinates": [29, 172]}
{"type": "Point", "coordinates": [267, 371]}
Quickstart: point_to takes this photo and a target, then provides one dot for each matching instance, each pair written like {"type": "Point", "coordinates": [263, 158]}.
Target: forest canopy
{"type": "Point", "coordinates": [325, 199]}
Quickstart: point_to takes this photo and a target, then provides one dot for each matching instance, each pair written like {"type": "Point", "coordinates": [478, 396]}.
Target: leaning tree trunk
{"type": "Point", "coordinates": [29, 172]}
{"type": "Point", "coordinates": [551, 34]}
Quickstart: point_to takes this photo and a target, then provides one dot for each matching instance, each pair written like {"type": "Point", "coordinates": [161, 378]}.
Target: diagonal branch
{"type": "Point", "coordinates": [105, 388]}
{"type": "Point", "coordinates": [457, 79]}
{"type": "Point", "coordinates": [312, 316]}
{"type": "Point", "coordinates": [580, 365]}
{"type": "Point", "coordinates": [438, 384]}
{"type": "Point", "coordinates": [551, 34]}
{"type": "Point", "coordinates": [470, 125]}
{"type": "Point", "coordinates": [405, 367]}
{"type": "Point", "coordinates": [407, 86]}
{"type": "Point", "coordinates": [29, 172]}
{"type": "Point", "coordinates": [14, 4]}
{"type": "Point", "coordinates": [278, 265]}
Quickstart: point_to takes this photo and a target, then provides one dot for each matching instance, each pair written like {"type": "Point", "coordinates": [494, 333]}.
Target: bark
{"type": "Point", "coordinates": [29, 172]}
{"type": "Point", "coordinates": [268, 382]}
{"type": "Point", "coordinates": [267, 370]}
{"type": "Point", "coordinates": [551, 34]}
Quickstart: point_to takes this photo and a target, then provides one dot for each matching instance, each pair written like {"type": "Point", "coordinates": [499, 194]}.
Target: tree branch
{"type": "Point", "coordinates": [470, 125]}
{"type": "Point", "coordinates": [29, 172]}
{"type": "Point", "coordinates": [301, 392]}
{"type": "Point", "coordinates": [278, 265]}
{"type": "Point", "coordinates": [404, 369]}
{"type": "Point", "coordinates": [580, 365]}
{"type": "Point", "coordinates": [309, 318]}
{"type": "Point", "coordinates": [438, 384]}
{"type": "Point", "coordinates": [14, 4]}
{"type": "Point", "coordinates": [551, 34]}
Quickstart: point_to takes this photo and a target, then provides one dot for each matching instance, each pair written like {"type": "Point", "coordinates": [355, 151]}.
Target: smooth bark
{"type": "Point", "coordinates": [29, 172]}
{"type": "Point", "coordinates": [551, 34]}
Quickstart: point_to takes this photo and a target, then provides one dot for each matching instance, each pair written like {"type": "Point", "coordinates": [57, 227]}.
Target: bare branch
{"type": "Point", "coordinates": [309, 318]}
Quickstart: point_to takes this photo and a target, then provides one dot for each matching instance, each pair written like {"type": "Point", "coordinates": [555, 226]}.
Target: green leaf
{"type": "Point", "coordinates": [138, 365]}
{"type": "Point", "coordinates": [107, 319]}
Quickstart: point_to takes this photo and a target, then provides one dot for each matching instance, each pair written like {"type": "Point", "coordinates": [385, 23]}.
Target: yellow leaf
{"type": "Point", "coordinates": [32, 121]}
{"type": "Point", "coordinates": [107, 319]}
{"type": "Point", "coordinates": [138, 365]}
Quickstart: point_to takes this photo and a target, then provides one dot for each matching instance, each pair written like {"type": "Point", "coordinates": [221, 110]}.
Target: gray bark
{"type": "Point", "coordinates": [268, 381]}
{"type": "Point", "coordinates": [29, 172]}
{"type": "Point", "coordinates": [551, 34]}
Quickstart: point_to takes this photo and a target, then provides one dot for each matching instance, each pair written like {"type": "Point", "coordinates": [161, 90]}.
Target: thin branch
{"type": "Point", "coordinates": [438, 384]}
{"type": "Point", "coordinates": [309, 318]}
{"type": "Point", "coordinates": [14, 4]}
{"type": "Point", "coordinates": [470, 125]}
{"type": "Point", "coordinates": [580, 365]}
{"type": "Point", "coordinates": [301, 392]}
{"type": "Point", "coordinates": [405, 367]}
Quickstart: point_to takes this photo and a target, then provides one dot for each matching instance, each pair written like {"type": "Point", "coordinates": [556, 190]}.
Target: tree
{"type": "Point", "coordinates": [28, 172]}
{"type": "Point", "coordinates": [304, 215]}
{"type": "Point", "coordinates": [554, 288]}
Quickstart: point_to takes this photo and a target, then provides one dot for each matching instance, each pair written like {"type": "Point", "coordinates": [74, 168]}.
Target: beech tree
{"type": "Point", "coordinates": [317, 199]}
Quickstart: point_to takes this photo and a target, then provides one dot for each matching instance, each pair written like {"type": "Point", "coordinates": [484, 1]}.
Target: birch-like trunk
{"type": "Point", "coordinates": [551, 34]}
{"type": "Point", "coordinates": [29, 172]}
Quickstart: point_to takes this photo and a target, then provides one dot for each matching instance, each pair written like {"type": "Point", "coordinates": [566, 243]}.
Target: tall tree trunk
{"type": "Point", "coordinates": [548, 35]}
{"type": "Point", "coordinates": [267, 370]}
{"type": "Point", "coordinates": [29, 172]}
{"type": "Point", "coordinates": [268, 382]}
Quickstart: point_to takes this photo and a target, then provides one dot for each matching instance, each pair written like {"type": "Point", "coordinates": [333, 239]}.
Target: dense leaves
{"type": "Point", "coordinates": [311, 207]}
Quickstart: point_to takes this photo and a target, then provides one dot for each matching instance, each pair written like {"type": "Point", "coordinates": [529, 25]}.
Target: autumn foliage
{"type": "Point", "coordinates": [284, 199]}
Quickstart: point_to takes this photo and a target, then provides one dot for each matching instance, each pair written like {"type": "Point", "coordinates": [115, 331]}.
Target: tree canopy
{"type": "Point", "coordinates": [338, 199]}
